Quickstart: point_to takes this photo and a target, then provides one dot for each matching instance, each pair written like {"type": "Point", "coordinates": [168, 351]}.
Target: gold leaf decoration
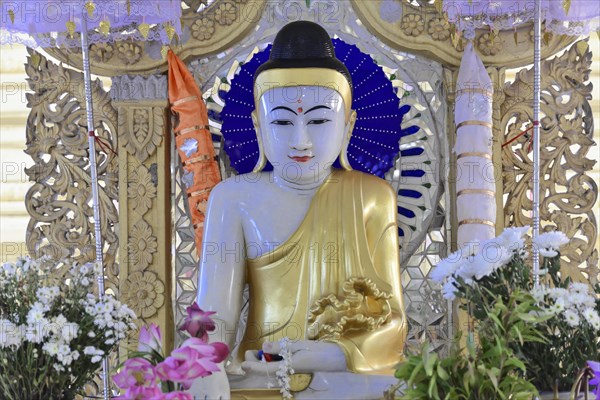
{"type": "Point", "coordinates": [90, 7]}
{"type": "Point", "coordinates": [566, 4]}
{"type": "Point", "coordinates": [144, 28]}
{"type": "Point", "coordinates": [547, 36]}
{"type": "Point", "coordinates": [71, 28]}
{"type": "Point", "coordinates": [163, 51]}
{"type": "Point", "coordinates": [36, 59]}
{"type": "Point", "coordinates": [582, 47]}
{"type": "Point", "coordinates": [128, 7]}
{"type": "Point", "coordinates": [11, 14]}
{"type": "Point", "coordinates": [170, 29]}
{"type": "Point", "coordinates": [516, 37]}
{"type": "Point", "coordinates": [439, 6]}
{"type": "Point", "coordinates": [104, 27]}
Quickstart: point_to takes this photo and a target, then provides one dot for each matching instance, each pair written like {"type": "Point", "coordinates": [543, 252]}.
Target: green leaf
{"type": "Point", "coordinates": [307, 3]}
{"type": "Point", "coordinates": [432, 390]}
{"type": "Point", "coordinates": [414, 374]}
{"type": "Point", "coordinates": [515, 362]}
{"type": "Point", "coordinates": [442, 373]}
{"type": "Point", "coordinates": [429, 361]}
{"type": "Point", "coordinates": [493, 374]}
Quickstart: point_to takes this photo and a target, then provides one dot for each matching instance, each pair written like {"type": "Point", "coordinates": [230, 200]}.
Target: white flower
{"type": "Point", "coordinates": [592, 317]}
{"type": "Point", "coordinates": [51, 348]}
{"type": "Point", "coordinates": [70, 331]}
{"type": "Point", "coordinates": [446, 268]}
{"type": "Point", "coordinates": [556, 293]}
{"type": "Point", "coordinates": [449, 289]}
{"type": "Point", "coordinates": [9, 269]}
{"type": "Point", "coordinates": [91, 334]}
{"type": "Point", "coordinates": [47, 295]}
{"type": "Point", "coordinates": [84, 281]}
{"type": "Point", "coordinates": [539, 293]}
{"type": "Point", "coordinates": [559, 305]}
{"type": "Point", "coordinates": [85, 269]}
{"type": "Point", "coordinates": [572, 318]}
{"type": "Point", "coordinates": [36, 314]}
{"type": "Point", "coordinates": [512, 238]}
{"type": "Point", "coordinates": [35, 333]}
{"type": "Point", "coordinates": [10, 334]}
{"type": "Point", "coordinates": [549, 253]}
{"type": "Point", "coordinates": [549, 243]}
{"type": "Point", "coordinates": [578, 287]}
{"type": "Point", "coordinates": [96, 359]}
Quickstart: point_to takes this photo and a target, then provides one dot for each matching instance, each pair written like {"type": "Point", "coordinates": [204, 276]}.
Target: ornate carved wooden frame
{"type": "Point", "coordinates": [58, 202]}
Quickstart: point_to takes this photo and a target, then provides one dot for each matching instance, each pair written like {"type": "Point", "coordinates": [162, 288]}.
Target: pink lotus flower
{"type": "Point", "coordinates": [177, 396]}
{"type": "Point", "coordinates": [198, 322]}
{"type": "Point", "coordinates": [213, 352]}
{"type": "Point", "coordinates": [181, 367]}
{"type": "Point", "coordinates": [142, 393]}
{"type": "Point", "coordinates": [150, 339]}
{"type": "Point", "coordinates": [192, 360]}
{"type": "Point", "coordinates": [136, 372]}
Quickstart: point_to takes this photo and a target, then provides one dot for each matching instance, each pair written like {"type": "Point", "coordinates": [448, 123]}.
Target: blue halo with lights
{"type": "Point", "coordinates": [375, 140]}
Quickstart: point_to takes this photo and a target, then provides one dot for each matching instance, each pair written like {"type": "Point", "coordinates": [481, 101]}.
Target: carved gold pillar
{"type": "Point", "coordinates": [498, 75]}
{"type": "Point", "coordinates": [145, 199]}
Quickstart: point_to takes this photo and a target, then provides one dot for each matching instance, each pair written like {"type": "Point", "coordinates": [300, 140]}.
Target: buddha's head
{"type": "Point", "coordinates": [303, 96]}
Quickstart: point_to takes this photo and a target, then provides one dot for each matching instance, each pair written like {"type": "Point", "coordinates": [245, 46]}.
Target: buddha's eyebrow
{"type": "Point", "coordinates": [316, 108]}
{"type": "Point", "coordinates": [283, 108]}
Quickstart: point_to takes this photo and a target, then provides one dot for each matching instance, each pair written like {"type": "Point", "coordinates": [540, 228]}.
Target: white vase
{"type": "Point", "coordinates": [564, 396]}
{"type": "Point", "coordinates": [550, 396]}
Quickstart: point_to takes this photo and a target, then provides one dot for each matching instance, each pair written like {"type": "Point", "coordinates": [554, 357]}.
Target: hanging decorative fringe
{"type": "Point", "coordinates": [193, 141]}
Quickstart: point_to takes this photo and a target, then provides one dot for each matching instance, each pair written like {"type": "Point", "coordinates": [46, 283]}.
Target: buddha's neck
{"type": "Point", "coordinates": [303, 187]}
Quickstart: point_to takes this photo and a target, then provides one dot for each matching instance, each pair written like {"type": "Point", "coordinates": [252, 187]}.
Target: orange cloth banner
{"type": "Point", "coordinates": [193, 140]}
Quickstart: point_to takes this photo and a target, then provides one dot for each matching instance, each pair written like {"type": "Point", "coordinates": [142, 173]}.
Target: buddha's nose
{"type": "Point", "coordinates": [300, 139]}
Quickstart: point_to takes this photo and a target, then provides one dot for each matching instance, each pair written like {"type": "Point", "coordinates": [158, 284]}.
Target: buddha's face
{"type": "Point", "coordinates": [302, 130]}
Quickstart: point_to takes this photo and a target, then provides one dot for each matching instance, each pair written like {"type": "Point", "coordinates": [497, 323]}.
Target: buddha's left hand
{"type": "Point", "coordinates": [307, 356]}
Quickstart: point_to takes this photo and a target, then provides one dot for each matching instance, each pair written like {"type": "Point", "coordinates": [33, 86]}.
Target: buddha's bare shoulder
{"type": "Point", "coordinates": [238, 187]}
{"type": "Point", "coordinates": [372, 186]}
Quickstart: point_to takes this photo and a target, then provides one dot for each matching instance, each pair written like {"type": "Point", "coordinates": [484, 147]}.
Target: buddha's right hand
{"type": "Point", "coordinates": [212, 387]}
{"type": "Point", "coordinates": [308, 356]}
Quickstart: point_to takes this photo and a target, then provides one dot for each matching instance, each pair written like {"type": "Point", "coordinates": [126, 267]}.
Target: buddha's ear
{"type": "Point", "coordinates": [344, 152]}
{"type": "Point", "coordinates": [262, 159]}
{"type": "Point", "coordinates": [350, 123]}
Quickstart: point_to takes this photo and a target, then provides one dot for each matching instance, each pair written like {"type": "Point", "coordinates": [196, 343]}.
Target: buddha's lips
{"type": "Point", "coordinates": [301, 159]}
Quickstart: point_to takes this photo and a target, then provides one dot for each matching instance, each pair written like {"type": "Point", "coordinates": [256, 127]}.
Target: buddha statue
{"type": "Point", "coordinates": [317, 245]}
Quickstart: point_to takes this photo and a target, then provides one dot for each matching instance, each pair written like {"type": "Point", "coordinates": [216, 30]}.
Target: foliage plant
{"type": "Point", "coordinates": [485, 272]}
{"type": "Point", "coordinates": [488, 370]}
{"type": "Point", "coordinates": [572, 332]}
{"type": "Point", "coordinates": [54, 331]}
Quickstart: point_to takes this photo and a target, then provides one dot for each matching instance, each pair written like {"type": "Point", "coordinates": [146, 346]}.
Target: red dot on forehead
{"type": "Point", "coordinates": [299, 109]}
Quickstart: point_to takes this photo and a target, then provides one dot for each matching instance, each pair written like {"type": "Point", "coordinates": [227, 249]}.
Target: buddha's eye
{"type": "Point", "coordinates": [318, 121]}
{"type": "Point", "coordinates": [282, 122]}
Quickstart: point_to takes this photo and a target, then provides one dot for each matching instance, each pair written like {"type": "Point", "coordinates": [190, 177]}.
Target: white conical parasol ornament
{"type": "Point", "coordinates": [50, 23]}
{"type": "Point", "coordinates": [571, 17]}
{"type": "Point", "coordinates": [475, 186]}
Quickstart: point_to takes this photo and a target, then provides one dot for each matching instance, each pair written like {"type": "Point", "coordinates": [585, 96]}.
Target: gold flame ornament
{"type": "Point", "coordinates": [90, 7]}
{"type": "Point", "coordinates": [71, 28]}
{"type": "Point", "coordinates": [11, 14]}
{"type": "Point", "coordinates": [144, 28]}
{"type": "Point", "coordinates": [170, 29]}
{"type": "Point", "coordinates": [164, 51]}
{"type": "Point", "coordinates": [582, 47]}
{"type": "Point", "coordinates": [566, 4]}
{"type": "Point", "coordinates": [104, 27]}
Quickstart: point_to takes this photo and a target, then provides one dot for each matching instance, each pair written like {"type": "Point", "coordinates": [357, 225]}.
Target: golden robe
{"type": "Point", "coordinates": [337, 278]}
